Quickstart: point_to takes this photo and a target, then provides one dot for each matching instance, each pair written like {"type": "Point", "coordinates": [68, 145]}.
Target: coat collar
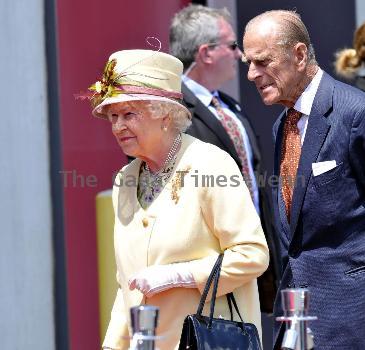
{"type": "Point", "coordinates": [128, 204]}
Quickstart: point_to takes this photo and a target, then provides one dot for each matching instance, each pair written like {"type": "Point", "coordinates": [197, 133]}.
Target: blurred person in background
{"type": "Point", "coordinates": [204, 40]}
{"type": "Point", "coordinates": [169, 229]}
{"type": "Point", "coordinates": [350, 62]}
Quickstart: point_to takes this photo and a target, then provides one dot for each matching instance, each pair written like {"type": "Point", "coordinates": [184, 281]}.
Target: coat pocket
{"type": "Point", "coordinates": [329, 176]}
{"type": "Point", "coordinates": [355, 271]}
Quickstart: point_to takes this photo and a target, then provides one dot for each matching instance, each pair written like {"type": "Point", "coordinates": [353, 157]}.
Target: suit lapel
{"type": "Point", "coordinates": [278, 132]}
{"type": "Point", "coordinates": [199, 110]}
{"type": "Point", "coordinates": [278, 136]}
{"type": "Point", "coordinates": [252, 137]}
{"type": "Point", "coordinates": [316, 133]}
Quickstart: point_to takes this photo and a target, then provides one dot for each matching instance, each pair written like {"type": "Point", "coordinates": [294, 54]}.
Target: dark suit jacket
{"type": "Point", "coordinates": [323, 248]}
{"type": "Point", "coordinates": [206, 127]}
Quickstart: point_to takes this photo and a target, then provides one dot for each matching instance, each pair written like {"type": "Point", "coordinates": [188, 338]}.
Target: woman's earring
{"type": "Point", "coordinates": [164, 128]}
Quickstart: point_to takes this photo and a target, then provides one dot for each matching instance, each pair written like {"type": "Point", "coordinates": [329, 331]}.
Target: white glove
{"type": "Point", "coordinates": [158, 278]}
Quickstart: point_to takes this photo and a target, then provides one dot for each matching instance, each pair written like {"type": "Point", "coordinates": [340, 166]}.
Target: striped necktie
{"type": "Point", "coordinates": [233, 130]}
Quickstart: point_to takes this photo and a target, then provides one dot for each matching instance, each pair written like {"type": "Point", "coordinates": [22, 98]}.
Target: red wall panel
{"type": "Point", "coordinates": [88, 32]}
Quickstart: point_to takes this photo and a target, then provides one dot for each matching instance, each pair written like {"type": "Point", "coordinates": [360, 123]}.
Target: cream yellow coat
{"type": "Point", "coordinates": [187, 222]}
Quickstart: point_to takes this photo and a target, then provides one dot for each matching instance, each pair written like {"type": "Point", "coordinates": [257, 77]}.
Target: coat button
{"type": "Point", "coordinates": [145, 222]}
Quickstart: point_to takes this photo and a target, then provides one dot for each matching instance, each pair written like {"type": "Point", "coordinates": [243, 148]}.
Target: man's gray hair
{"type": "Point", "coordinates": [192, 27]}
{"type": "Point", "coordinates": [290, 29]}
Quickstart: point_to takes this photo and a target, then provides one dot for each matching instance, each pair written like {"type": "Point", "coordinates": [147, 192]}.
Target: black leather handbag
{"type": "Point", "coordinates": [202, 332]}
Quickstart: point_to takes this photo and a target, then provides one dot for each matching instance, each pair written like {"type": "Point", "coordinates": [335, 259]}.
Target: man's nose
{"type": "Point", "coordinates": [252, 73]}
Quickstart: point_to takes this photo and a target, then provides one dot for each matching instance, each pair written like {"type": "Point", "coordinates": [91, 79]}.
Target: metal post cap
{"type": "Point", "coordinates": [144, 318]}
{"type": "Point", "coordinates": [295, 301]}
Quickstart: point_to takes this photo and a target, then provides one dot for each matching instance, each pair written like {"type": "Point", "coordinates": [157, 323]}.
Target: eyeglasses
{"type": "Point", "coordinates": [232, 45]}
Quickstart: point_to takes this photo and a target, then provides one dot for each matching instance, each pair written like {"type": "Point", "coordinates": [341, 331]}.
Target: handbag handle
{"type": "Point", "coordinates": [231, 299]}
{"type": "Point", "coordinates": [214, 276]}
{"type": "Point", "coordinates": [208, 284]}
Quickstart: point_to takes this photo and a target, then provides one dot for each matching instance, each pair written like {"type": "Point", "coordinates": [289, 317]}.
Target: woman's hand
{"type": "Point", "coordinates": [158, 278]}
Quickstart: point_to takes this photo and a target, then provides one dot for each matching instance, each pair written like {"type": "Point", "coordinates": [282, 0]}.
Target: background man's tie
{"type": "Point", "coordinates": [290, 155]}
{"type": "Point", "coordinates": [232, 129]}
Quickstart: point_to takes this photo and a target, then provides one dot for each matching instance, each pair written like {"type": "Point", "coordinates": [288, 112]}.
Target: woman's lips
{"type": "Point", "coordinates": [125, 138]}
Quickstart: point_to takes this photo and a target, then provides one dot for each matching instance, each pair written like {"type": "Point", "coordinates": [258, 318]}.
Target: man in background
{"type": "Point", "coordinates": [203, 39]}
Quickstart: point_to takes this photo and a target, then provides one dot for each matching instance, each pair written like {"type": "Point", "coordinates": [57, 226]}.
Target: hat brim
{"type": "Point", "coordinates": [98, 110]}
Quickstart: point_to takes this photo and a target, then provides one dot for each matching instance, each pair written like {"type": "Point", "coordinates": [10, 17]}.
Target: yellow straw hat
{"type": "Point", "coordinates": [138, 75]}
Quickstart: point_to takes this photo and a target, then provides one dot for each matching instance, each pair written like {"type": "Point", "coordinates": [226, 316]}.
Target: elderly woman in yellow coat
{"type": "Point", "coordinates": [178, 205]}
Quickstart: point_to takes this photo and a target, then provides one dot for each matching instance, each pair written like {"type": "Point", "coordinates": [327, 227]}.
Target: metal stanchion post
{"type": "Point", "coordinates": [144, 322]}
{"type": "Point", "coordinates": [295, 303]}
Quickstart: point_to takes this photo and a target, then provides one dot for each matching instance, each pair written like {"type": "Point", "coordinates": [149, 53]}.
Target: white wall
{"type": "Point", "coordinates": [26, 282]}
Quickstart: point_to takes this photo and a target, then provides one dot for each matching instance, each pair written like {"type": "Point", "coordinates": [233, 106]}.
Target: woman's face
{"type": "Point", "coordinates": [137, 133]}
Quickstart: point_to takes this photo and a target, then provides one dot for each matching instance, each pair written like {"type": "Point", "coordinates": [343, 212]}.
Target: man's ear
{"type": "Point", "coordinates": [204, 53]}
{"type": "Point", "coordinates": [301, 56]}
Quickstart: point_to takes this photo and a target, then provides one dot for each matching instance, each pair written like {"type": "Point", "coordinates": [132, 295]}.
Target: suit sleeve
{"type": "Point", "coordinates": [357, 147]}
{"type": "Point", "coordinates": [232, 218]}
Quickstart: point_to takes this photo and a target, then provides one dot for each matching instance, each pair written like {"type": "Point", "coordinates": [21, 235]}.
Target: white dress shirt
{"type": "Point", "coordinates": [305, 102]}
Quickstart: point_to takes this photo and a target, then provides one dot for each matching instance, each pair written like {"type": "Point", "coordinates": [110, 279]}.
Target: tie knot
{"type": "Point", "coordinates": [293, 116]}
{"type": "Point", "coordinates": [215, 102]}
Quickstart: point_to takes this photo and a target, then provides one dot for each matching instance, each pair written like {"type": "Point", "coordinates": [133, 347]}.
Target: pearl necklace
{"type": "Point", "coordinates": [169, 158]}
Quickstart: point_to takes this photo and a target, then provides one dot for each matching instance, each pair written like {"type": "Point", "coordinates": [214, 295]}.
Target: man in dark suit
{"type": "Point", "coordinates": [319, 202]}
{"type": "Point", "coordinates": [203, 39]}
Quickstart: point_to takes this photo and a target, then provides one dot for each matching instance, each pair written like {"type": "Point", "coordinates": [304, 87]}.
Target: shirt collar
{"type": "Point", "coordinates": [202, 93]}
{"type": "Point", "coordinates": [305, 100]}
